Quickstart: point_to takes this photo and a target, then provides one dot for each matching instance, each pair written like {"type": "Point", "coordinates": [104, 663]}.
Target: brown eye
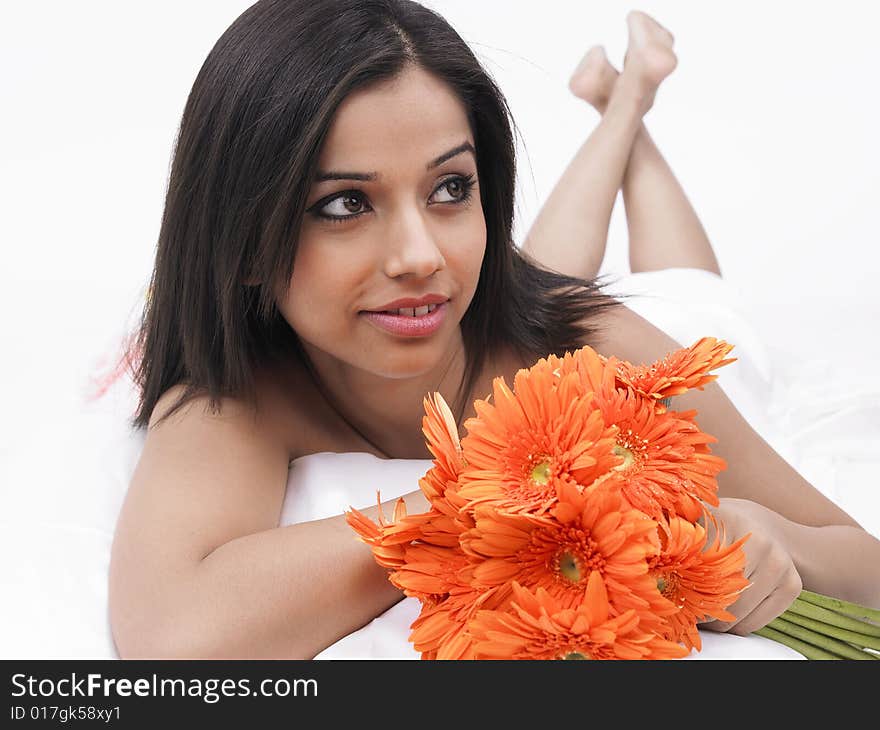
{"type": "Point", "coordinates": [352, 203]}
{"type": "Point", "coordinates": [344, 206]}
{"type": "Point", "coordinates": [455, 188]}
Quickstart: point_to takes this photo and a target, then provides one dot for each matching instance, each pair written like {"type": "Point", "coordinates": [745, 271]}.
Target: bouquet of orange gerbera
{"type": "Point", "coordinates": [569, 521]}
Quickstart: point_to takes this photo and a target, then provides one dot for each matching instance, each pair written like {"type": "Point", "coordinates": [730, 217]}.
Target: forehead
{"type": "Point", "coordinates": [413, 117]}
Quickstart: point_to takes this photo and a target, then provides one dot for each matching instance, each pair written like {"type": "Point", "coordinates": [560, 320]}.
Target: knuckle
{"type": "Point", "coordinates": [777, 564]}
{"type": "Point", "coordinates": [743, 628]}
{"type": "Point", "coordinates": [793, 584]}
{"type": "Point", "coordinates": [717, 626]}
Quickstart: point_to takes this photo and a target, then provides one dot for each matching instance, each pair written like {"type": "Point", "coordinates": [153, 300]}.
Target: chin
{"type": "Point", "coordinates": [406, 365]}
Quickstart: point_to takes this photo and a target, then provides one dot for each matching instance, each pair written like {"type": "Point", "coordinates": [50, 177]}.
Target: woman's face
{"type": "Point", "coordinates": [394, 213]}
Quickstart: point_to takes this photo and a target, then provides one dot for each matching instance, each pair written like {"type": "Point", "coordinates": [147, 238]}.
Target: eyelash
{"type": "Point", "coordinates": [467, 181]}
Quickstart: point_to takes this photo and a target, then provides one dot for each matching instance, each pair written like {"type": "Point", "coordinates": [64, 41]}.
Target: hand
{"type": "Point", "coordinates": [774, 580]}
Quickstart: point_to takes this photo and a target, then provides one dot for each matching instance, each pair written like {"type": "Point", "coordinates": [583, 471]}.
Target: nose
{"type": "Point", "coordinates": [412, 246]}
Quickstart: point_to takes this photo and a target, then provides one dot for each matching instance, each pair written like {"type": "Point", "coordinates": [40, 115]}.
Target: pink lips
{"type": "Point", "coordinates": [404, 325]}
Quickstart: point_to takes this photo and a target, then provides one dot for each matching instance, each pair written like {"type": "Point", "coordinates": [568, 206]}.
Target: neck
{"type": "Point", "coordinates": [387, 412]}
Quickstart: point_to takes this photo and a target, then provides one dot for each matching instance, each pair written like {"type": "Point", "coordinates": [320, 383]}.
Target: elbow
{"type": "Point", "coordinates": [141, 631]}
{"type": "Point", "coordinates": [143, 636]}
{"type": "Point", "coordinates": [147, 642]}
{"type": "Point", "coordinates": [159, 644]}
{"type": "Point", "coordinates": [181, 632]}
{"type": "Point", "coordinates": [184, 641]}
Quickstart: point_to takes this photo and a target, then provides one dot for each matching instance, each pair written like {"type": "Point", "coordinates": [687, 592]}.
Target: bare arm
{"type": "Point", "coordinates": [200, 568]}
{"type": "Point", "coordinates": [832, 553]}
{"type": "Point", "coordinates": [288, 592]}
{"type": "Point", "coordinates": [830, 550]}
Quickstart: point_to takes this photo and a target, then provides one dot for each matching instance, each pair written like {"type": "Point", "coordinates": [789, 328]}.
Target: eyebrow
{"type": "Point", "coordinates": [321, 176]}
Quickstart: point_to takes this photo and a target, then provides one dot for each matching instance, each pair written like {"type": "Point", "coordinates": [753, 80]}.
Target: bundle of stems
{"type": "Point", "coordinates": [822, 627]}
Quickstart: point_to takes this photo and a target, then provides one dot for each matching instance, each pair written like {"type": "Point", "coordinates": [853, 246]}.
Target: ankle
{"type": "Point", "coordinates": [628, 96]}
{"type": "Point", "coordinates": [631, 92]}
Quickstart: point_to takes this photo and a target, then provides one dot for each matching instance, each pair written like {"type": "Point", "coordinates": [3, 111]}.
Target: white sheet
{"type": "Point", "coordinates": [823, 415]}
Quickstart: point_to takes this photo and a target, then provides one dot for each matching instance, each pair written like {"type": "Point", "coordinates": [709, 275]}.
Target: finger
{"type": "Point", "coordinates": [773, 606]}
{"type": "Point", "coordinates": [760, 587]}
{"type": "Point", "coordinates": [750, 597]}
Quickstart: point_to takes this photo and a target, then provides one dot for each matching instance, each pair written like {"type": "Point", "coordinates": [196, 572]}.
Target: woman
{"type": "Point", "coordinates": [336, 162]}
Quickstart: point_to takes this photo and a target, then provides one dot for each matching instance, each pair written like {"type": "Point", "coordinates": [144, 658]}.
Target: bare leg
{"type": "Point", "coordinates": [571, 230]}
{"type": "Point", "coordinates": [664, 230]}
{"type": "Point", "coordinates": [570, 233]}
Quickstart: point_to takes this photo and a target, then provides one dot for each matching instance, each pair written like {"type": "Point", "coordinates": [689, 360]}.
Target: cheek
{"type": "Point", "coordinates": [315, 285]}
{"type": "Point", "coordinates": [471, 249]}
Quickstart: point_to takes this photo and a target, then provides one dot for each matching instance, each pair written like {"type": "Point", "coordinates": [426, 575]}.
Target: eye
{"type": "Point", "coordinates": [458, 188]}
{"type": "Point", "coordinates": [347, 205]}
{"type": "Point", "coordinates": [350, 204]}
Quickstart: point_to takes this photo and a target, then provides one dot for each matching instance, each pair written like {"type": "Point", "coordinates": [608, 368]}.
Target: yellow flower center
{"type": "Point", "coordinates": [667, 584]}
{"type": "Point", "coordinates": [569, 567]}
{"type": "Point", "coordinates": [628, 457]}
{"type": "Point", "coordinates": [575, 655]}
{"type": "Point", "coordinates": [541, 473]}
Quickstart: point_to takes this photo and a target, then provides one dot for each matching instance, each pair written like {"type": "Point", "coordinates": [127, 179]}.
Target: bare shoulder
{"type": "Point", "coordinates": [623, 333]}
{"type": "Point", "coordinates": [235, 456]}
{"type": "Point", "coordinates": [223, 472]}
{"type": "Point", "coordinates": [204, 478]}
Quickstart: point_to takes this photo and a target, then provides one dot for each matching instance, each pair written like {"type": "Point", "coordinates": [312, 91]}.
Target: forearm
{"type": "Point", "coordinates": [287, 592]}
{"type": "Point", "coordinates": [570, 230]}
{"type": "Point", "coordinates": [755, 470]}
{"type": "Point", "coordinates": [836, 560]}
{"type": "Point", "coordinates": [832, 553]}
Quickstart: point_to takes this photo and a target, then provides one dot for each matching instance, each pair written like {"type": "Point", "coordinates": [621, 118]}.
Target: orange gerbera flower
{"type": "Point", "coordinates": [536, 626]}
{"type": "Point", "coordinates": [597, 373]}
{"type": "Point", "coordinates": [700, 580]}
{"type": "Point", "coordinates": [441, 578]}
{"type": "Point", "coordinates": [440, 484]}
{"type": "Point", "coordinates": [444, 521]}
{"type": "Point", "coordinates": [587, 532]}
{"type": "Point", "coordinates": [665, 459]}
{"type": "Point", "coordinates": [441, 632]}
{"type": "Point", "coordinates": [542, 434]}
{"type": "Point", "coordinates": [431, 572]}
{"type": "Point", "coordinates": [388, 551]}
{"type": "Point", "coordinates": [662, 466]}
{"type": "Point", "coordinates": [542, 536]}
{"type": "Point", "coordinates": [442, 629]}
{"type": "Point", "coordinates": [594, 370]}
{"type": "Point", "coordinates": [442, 440]}
{"type": "Point", "coordinates": [389, 540]}
{"type": "Point", "coordinates": [678, 371]}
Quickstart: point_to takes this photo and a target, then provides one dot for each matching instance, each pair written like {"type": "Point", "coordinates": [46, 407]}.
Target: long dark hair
{"type": "Point", "coordinates": [246, 153]}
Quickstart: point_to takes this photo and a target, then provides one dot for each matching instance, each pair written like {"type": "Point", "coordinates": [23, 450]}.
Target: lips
{"type": "Point", "coordinates": [411, 303]}
{"type": "Point", "coordinates": [407, 326]}
{"type": "Point", "coordinates": [411, 311]}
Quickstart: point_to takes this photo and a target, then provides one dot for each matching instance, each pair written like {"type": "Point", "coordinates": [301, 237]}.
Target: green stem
{"type": "Point", "coordinates": [801, 647]}
{"type": "Point", "coordinates": [823, 642]}
{"type": "Point", "coordinates": [811, 610]}
{"type": "Point", "coordinates": [845, 607]}
{"type": "Point", "coordinates": [820, 627]}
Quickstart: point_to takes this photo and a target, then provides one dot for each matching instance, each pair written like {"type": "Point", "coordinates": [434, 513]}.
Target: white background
{"type": "Point", "coordinates": [769, 122]}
